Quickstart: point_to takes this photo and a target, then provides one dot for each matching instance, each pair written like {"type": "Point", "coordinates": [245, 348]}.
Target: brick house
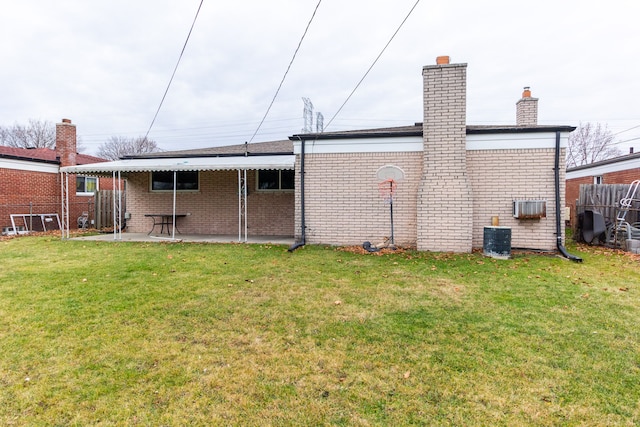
{"type": "Point", "coordinates": [619, 170]}
{"type": "Point", "coordinates": [457, 177]}
{"type": "Point", "coordinates": [324, 188]}
{"type": "Point", "coordinates": [30, 179]}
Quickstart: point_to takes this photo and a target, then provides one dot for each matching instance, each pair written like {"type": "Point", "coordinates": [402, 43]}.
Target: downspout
{"type": "Point", "coordinates": [303, 226]}
{"type": "Point", "coordinates": [556, 169]}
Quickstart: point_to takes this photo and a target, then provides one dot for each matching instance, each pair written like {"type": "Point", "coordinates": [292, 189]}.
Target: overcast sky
{"type": "Point", "coordinates": [106, 64]}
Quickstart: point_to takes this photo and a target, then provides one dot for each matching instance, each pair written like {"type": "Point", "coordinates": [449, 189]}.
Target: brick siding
{"type": "Point", "coordinates": [500, 176]}
{"type": "Point", "coordinates": [214, 208]}
{"type": "Point", "coordinates": [343, 205]}
{"type": "Point", "coordinates": [22, 192]}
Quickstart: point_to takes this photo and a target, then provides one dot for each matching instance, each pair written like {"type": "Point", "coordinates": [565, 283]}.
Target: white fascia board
{"type": "Point", "coordinates": [474, 142]}
{"type": "Point", "coordinates": [408, 144]}
{"type": "Point", "coordinates": [515, 141]}
{"type": "Point", "coordinates": [27, 166]}
{"type": "Point", "coordinates": [604, 169]}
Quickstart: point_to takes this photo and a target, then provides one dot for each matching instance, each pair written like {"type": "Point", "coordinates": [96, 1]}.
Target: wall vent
{"type": "Point", "coordinates": [529, 209]}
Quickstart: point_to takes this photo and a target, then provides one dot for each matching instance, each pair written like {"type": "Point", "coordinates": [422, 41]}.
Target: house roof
{"type": "Point", "coordinates": [266, 155]}
{"type": "Point", "coordinates": [42, 155]}
{"type": "Point", "coordinates": [253, 149]}
{"type": "Point", "coordinates": [197, 163]}
{"type": "Point", "coordinates": [417, 129]}
{"type": "Point", "coordinates": [611, 161]}
{"type": "Point", "coordinates": [284, 147]}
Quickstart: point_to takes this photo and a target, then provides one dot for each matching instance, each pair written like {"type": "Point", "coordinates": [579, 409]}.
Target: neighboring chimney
{"type": "Point", "coordinates": [445, 205]}
{"type": "Point", "coordinates": [527, 109]}
{"type": "Point", "coordinates": [630, 150]}
{"type": "Point", "coordinates": [66, 143]}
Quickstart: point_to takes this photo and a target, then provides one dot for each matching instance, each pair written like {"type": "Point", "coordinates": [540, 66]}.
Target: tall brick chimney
{"type": "Point", "coordinates": [445, 203]}
{"type": "Point", "coordinates": [66, 142]}
{"type": "Point", "coordinates": [527, 109]}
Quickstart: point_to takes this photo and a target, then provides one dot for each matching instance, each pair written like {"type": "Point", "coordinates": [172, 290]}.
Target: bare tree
{"type": "Point", "coordinates": [119, 146]}
{"type": "Point", "coordinates": [36, 134]}
{"type": "Point", "coordinates": [590, 143]}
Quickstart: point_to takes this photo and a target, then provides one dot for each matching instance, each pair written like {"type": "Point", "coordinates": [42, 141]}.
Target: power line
{"type": "Point", "coordinates": [627, 130]}
{"type": "Point", "coordinates": [626, 140]}
{"type": "Point", "coordinates": [287, 71]}
{"type": "Point", "coordinates": [373, 64]}
{"type": "Point", "coordinates": [175, 69]}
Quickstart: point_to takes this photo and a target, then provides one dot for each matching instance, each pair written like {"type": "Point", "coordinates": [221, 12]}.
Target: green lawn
{"type": "Point", "coordinates": [190, 334]}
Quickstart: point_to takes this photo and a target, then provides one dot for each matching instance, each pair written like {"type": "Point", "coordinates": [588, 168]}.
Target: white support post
{"type": "Point", "coordinates": [175, 185]}
{"type": "Point", "coordinates": [67, 198]}
{"type": "Point", "coordinates": [115, 207]}
{"type": "Point", "coordinates": [239, 207]}
{"type": "Point", "coordinates": [64, 188]}
{"type": "Point", "coordinates": [119, 206]}
{"type": "Point", "coordinates": [242, 204]}
{"type": "Point", "coordinates": [244, 197]}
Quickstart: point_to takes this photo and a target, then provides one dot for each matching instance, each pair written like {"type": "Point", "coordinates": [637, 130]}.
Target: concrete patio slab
{"type": "Point", "coordinates": [186, 238]}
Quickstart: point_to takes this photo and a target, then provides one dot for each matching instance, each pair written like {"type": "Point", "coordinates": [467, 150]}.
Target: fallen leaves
{"type": "Point", "coordinates": [362, 251]}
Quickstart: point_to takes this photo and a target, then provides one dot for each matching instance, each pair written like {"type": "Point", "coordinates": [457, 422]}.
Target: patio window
{"type": "Point", "coordinates": [86, 185]}
{"type": "Point", "coordinates": [275, 180]}
{"type": "Point", "coordinates": [185, 181]}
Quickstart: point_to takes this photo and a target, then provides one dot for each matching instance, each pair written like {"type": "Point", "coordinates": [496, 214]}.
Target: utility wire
{"type": "Point", "coordinates": [286, 72]}
{"type": "Point", "coordinates": [626, 140]}
{"type": "Point", "coordinates": [174, 70]}
{"type": "Point", "coordinates": [373, 64]}
{"type": "Point", "coordinates": [627, 130]}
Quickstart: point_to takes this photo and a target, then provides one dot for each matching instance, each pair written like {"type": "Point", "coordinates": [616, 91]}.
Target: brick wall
{"type": "Point", "coordinates": [39, 192]}
{"type": "Point", "coordinates": [20, 189]}
{"type": "Point", "coordinates": [572, 194]}
{"type": "Point", "coordinates": [573, 186]}
{"type": "Point", "coordinates": [343, 204]}
{"type": "Point", "coordinates": [444, 186]}
{"type": "Point", "coordinates": [621, 177]}
{"type": "Point", "coordinates": [213, 209]}
{"type": "Point", "coordinates": [499, 176]}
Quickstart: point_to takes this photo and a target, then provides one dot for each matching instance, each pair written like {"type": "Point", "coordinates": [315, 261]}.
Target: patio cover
{"type": "Point", "coordinates": [174, 164]}
{"type": "Point", "coordinates": [186, 164]}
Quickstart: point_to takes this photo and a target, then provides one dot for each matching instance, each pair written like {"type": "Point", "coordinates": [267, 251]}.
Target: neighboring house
{"type": "Point", "coordinates": [324, 188]}
{"type": "Point", "coordinates": [30, 180]}
{"type": "Point", "coordinates": [619, 170]}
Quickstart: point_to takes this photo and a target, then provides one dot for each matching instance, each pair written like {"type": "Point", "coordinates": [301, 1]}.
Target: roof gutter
{"type": "Point", "coordinates": [556, 170]}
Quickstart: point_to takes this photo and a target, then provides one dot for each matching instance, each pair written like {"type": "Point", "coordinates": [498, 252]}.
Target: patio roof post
{"type": "Point", "coordinates": [119, 206]}
{"type": "Point", "coordinates": [244, 197]}
{"type": "Point", "coordinates": [239, 206]}
{"type": "Point", "coordinates": [64, 199]}
{"type": "Point", "coordinates": [242, 204]}
{"type": "Point", "coordinates": [175, 185]}
{"type": "Point", "coordinates": [115, 206]}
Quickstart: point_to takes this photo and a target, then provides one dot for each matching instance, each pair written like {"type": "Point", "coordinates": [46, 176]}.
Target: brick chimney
{"type": "Point", "coordinates": [445, 204]}
{"type": "Point", "coordinates": [66, 143]}
{"type": "Point", "coordinates": [527, 109]}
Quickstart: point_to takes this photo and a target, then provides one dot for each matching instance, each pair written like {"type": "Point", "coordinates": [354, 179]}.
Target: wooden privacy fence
{"type": "Point", "coordinates": [605, 199]}
{"type": "Point", "coordinates": [105, 208]}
